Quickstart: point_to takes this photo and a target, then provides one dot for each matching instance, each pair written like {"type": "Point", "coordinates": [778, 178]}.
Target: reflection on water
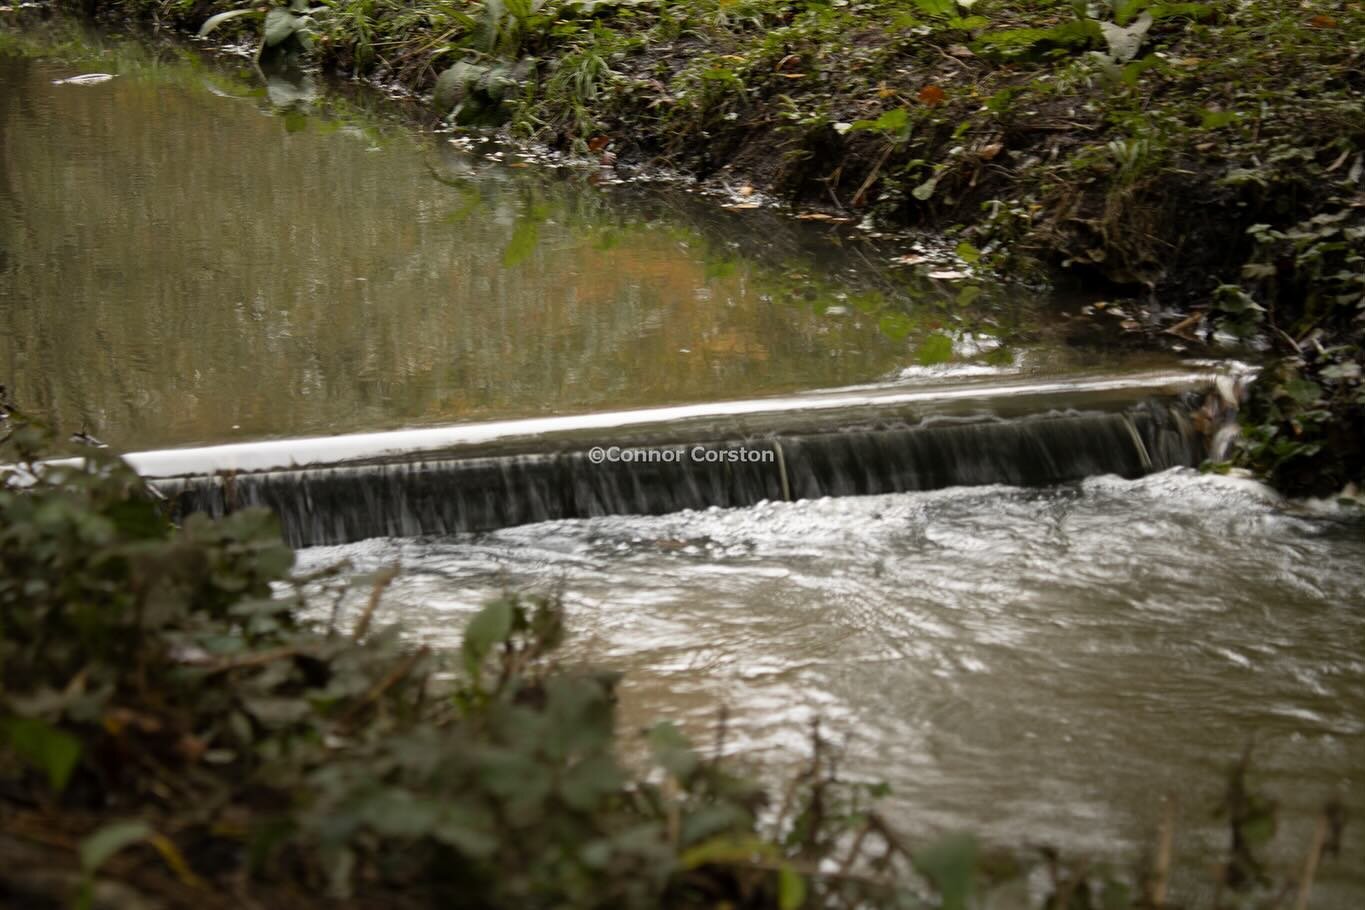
{"type": "Point", "coordinates": [178, 266]}
{"type": "Point", "coordinates": [1037, 665]}
{"type": "Point", "coordinates": [188, 256]}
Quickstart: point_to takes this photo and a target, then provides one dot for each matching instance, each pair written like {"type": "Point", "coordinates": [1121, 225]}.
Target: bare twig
{"type": "Point", "coordinates": [400, 672]}
{"type": "Point", "coordinates": [259, 658]}
{"type": "Point", "coordinates": [1310, 863]}
{"type": "Point", "coordinates": [382, 579]}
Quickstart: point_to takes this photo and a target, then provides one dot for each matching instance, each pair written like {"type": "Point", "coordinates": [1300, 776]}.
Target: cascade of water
{"type": "Point", "coordinates": [329, 504]}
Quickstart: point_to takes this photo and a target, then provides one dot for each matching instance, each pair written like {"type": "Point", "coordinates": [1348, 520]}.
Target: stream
{"type": "Point", "coordinates": [189, 257]}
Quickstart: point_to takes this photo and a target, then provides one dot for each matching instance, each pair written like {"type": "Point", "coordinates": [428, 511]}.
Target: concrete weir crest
{"type": "Point", "coordinates": [856, 441]}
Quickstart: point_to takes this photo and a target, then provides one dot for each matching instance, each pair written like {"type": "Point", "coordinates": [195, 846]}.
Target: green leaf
{"type": "Point", "coordinates": [213, 22]}
{"type": "Point", "coordinates": [489, 627]}
{"type": "Point", "coordinates": [937, 8]}
{"type": "Point", "coordinates": [99, 847]}
{"type": "Point", "coordinates": [968, 295]}
{"type": "Point", "coordinates": [950, 864]}
{"type": "Point", "coordinates": [968, 253]}
{"type": "Point", "coordinates": [1213, 120]}
{"type": "Point", "coordinates": [455, 84]}
{"type": "Point", "coordinates": [926, 189]}
{"type": "Point", "coordinates": [896, 120]}
{"type": "Point", "coordinates": [48, 749]}
{"type": "Point", "coordinates": [1303, 391]}
{"type": "Point", "coordinates": [726, 850]}
{"type": "Point", "coordinates": [280, 23]}
{"type": "Point", "coordinates": [1341, 372]}
{"type": "Point", "coordinates": [791, 889]}
{"type": "Point", "coordinates": [895, 326]}
{"type": "Point", "coordinates": [935, 349]}
{"type": "Point", "coordinates": [672, 750]}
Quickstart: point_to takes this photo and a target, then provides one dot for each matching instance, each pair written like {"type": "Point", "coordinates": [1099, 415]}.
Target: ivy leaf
{"type": "Point", "coordinates": [672, 750]}
{"type": "Point", "coordinates": [950, 864]}
{"type": "Point", "coordinates": [1302, 391]}
{"type": "Point", "coordinates": [489, 627]}
{"type": "Point", "coordinates": [48, 749]}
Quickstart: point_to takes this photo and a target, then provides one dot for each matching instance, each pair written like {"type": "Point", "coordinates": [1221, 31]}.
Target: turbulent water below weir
{"type": "Point", "coordinates": [1040, 666]}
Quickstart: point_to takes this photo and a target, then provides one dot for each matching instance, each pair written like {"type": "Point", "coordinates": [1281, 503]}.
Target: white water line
{"type": "Point", "coordinates": [335, 450]}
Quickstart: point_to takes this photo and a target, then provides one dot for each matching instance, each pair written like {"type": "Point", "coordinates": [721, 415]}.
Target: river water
{"type": "Point", "coordinates": [189, 256]}
{"type": "Point", "coordinates": [1040, 665]}
{"type": "Point", "coordinates": [235, 261]}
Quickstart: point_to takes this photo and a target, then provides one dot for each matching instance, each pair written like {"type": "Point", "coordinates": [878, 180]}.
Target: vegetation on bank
{"type": "Point", "coordinates": [172, 735]}
{"type": "Point", "coordinates": [1202, 163]}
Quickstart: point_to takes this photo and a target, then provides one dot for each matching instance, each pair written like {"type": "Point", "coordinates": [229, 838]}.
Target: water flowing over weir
{"type": "Point", "coordinates": [849, 442]}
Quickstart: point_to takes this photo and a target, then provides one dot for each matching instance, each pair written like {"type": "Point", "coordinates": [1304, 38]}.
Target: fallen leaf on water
{"type": "Point", "coordinates": [948, 274]}
{"type": "Point", "coordinates": [931, 95]}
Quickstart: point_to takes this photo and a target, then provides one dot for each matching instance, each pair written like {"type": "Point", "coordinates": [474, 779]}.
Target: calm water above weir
{"type": "Point", "coordinates": [186, 256]}
{"type": "Point", "coordinates": [1037, 665]}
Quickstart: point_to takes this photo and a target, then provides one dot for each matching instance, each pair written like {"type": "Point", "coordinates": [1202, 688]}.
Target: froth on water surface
{"type": "Point", "coordinates": [1040, 665]}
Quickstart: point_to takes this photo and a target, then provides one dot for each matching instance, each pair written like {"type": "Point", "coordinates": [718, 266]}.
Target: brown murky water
{"type": "Point", "coordinates": [187, 256]}
{"type": "Point", "coordinates": [1039, 666]}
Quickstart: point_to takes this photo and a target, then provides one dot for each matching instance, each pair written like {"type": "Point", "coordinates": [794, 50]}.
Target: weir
{"type": "Point", "coordinates": [482, 476]}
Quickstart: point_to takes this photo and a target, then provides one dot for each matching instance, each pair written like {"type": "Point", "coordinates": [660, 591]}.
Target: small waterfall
{"type": "Point", "coordinates": [519, 477]}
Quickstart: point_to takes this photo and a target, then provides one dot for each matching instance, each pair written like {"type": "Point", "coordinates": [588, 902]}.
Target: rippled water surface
{"type": "Point", "coordinates": [1039, 665]}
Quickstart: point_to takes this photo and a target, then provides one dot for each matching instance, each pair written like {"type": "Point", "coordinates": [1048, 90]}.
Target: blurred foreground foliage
{"type": "Point", "coordinates": [173, 735]}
